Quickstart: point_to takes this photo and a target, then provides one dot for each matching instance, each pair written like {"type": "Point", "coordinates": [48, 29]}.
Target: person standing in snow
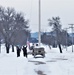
{"type": "Point", "coordinates": [24, 51]}
{"type": "Point", "coordinates": [18, 51]}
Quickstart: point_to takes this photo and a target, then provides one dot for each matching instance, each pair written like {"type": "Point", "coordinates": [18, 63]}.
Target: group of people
{"type": "Point", "coordinates": [24, 51]}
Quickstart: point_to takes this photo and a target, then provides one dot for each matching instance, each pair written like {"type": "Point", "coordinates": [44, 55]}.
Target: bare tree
{"type": "Point", "coordinates": [6, 23]}
{"type": "Point", "coordinates": [55, 23]}
{"type": "Point", "coordinates": [21, 29]}
{"type": "Point", "coordinates": [11, 22]}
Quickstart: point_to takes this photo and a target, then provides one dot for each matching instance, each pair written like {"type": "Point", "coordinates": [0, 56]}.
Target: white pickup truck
{"type": "Point", "coordinates": [38, 51]}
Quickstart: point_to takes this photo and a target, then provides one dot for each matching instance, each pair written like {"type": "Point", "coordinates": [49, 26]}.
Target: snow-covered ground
{"type": "Point", "coordinates": [54, 63]}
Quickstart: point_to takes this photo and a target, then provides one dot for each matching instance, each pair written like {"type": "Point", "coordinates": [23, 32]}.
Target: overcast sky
{"type": "Point", "coordinates": [49, 8]}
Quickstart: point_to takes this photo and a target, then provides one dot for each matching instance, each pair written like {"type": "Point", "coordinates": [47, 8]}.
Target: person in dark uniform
{"type": "Point", "coordinates": [18, 51]}
{"type": "Point", "coordinates": [24, 51]}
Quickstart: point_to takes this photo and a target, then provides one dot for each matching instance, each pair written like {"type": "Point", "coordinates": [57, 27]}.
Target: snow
{"type": "Point", "coordinates": [54, 63]}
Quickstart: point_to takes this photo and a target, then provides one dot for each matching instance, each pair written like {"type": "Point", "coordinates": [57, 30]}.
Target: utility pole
{"type": "Point", "coordinates": [39, 22]}
{"type": "Point", "coordinates": [72, 34]}
{"type": "Point", "coordinates": [66, 37]}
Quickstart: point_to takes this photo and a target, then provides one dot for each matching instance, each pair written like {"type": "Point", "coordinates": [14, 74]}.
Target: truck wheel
{"type": "Point", "coordinates": [43, 55]}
